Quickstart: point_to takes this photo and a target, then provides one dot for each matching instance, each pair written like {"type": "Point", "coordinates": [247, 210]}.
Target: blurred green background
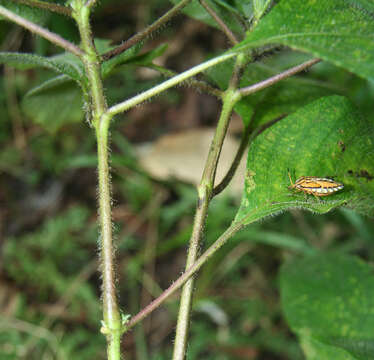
{"type": "Point", "coordinates": [50, 286]}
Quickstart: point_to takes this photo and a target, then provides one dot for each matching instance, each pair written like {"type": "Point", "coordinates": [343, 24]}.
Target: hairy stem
{"type": "Point", "coordinates": [46, 34]}
{"type": "Point", "coordinates": [47, 6]}
{"type": "Point", "coordinates": [226, 30]}
{"type": "Point", "coordinates": [112, 326]}
{"type": "Point", "coordinates": [146, 32]}
{"type": "Point", "coordinates": [239, 154]}
{"type": "Point", "coordinates": [125, 105]}
{"type": "Point", "coordinates": [233, 229]}
{"type": "Point", "coordinates": [248, 136]}
{"type": "Point", "coordinates": [248, 131]}
{"type": "Point", "coordinates": [213, 248]}
{"type": "Point", "coordinates": [205, 190]}
{"type": "Point", "coordinates": [274, 79]}
{"type": "Point", "coordinates": [197, 84]}
{"type": "Point", "coordinates": [181, 335]}
{"type": "Point", "coordinates": [92, 63]}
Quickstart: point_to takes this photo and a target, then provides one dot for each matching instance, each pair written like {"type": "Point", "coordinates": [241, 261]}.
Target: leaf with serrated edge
{"type": "Point", "coordinates": [66, 64]}
{"type": "Point", "coordinates": [327, 138]}
{"type": "Point", "coordinates": [341, 32]}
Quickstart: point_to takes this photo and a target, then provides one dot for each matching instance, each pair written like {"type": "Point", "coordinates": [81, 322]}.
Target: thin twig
{"type": "Point", "coordinates": [239, 154]}
{"type": "Point", "coordinates": [248, 136]}
{"type": "Point", "coordinates": [226, 30]}
{"type": "Point", "coordinates": [274, 79]}
{"type": "Point", "coordinates": [47, 6]}
{"type": "Point", "coordinates": [205, 188]}
{"type": "Point", "coordinates": [146, 32]}
{"type": "Point", "coordinates": [46, 34]}
{"type": "Point", "coordinates": [176, 80]}
{"type": "Point", "coordinates": [185, 276]}
{"type": "Point", "coordinates": [198, 84]}
{"type": "Point", "coordinates": [259, 130]}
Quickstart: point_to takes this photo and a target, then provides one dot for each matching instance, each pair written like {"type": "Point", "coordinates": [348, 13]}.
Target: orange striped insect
{"type": "Point", "coordinates": [316, 186]}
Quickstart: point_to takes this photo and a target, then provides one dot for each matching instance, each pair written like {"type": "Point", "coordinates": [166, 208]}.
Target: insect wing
{"type": "Point", "coordinates": [317, 186]}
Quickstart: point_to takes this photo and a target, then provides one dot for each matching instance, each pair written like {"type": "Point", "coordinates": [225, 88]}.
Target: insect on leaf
{"type": "Point", "coordinates": [328, 138]}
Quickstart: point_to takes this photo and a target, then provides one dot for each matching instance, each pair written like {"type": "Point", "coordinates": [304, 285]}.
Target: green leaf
{"type": "Point", "coordinates": [259, 8]}
{"type": "Point", "coordinates": [147, 58]}
{"type": "Point", "coordinates": [282, 98]}
{"type": "Point", "coordinates": [35, 15]}
{"type": "Point", "coordinates": [327, 138]}
{"type": "Point", "coordinates": [245, 7]}
{"type": "Point", "coordinates": [53, 109]}
{"type": "Point", "coordinates": [48, 84]}
{"type": "Point", "coordinates": [328, 300]}
{"type": "Point", "coordinates": [66, 64]}
{"type": "Point", "coordinates": [103, 46]}
{"type": "Point", "coordinates": [121, 59]}
{"type": "Point", "coordinates": [341, 32]}
{"type": "Point", "coordinates": [69, 65]}
{"type": "Point", "coordinates": [224, 11]}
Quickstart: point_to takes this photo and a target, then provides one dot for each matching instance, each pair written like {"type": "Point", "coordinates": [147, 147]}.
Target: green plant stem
{"type": "Point", "coordinates": [46, 34]}
{"type": "Point", "coordinates": [205, 190]}
{"type": "Point", "coordinates": [248, 131]}
{"type": "Point", "coordinates": [92, 64]}
{"type": "Point", "coordinates": [248, 136]}
{"type": "Point", "coordinates": [112, 326]}
{"type": "Point", "coordinates": [197, 84]}
{"type": "Point", "coordinates": [47, 6]}
{"type": "Point", "coordinates": [226, 30]}
{"type": "Point", "coordinates": [146, 32]}
{"type": "Point", "coordinates": [276, 78]}
{"type": "Point", "coordinates": [204, 195]}
{"type": "Point", "coordinates": [181, 334]}
{"type": "Point", "coordinates": [239, 154]}
{"type": "Point", "coordinates": [125, 105]}
{"type": "Point", "coordinates": [177, 284]}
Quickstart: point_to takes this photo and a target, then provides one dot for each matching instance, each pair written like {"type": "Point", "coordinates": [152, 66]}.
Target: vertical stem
{"type": "Point", "coordinates": [112, 320]}
{"type": "Point", "coordinates": [92, 63]}
{"type": "Point", "coordinates": [205, 192]}
{"type": "Point", "coordinates": [204, 195]}
{"type": "Point", "coordinates": [112, 326]}
{"type": "Point", "coordinates": [181, 334]}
